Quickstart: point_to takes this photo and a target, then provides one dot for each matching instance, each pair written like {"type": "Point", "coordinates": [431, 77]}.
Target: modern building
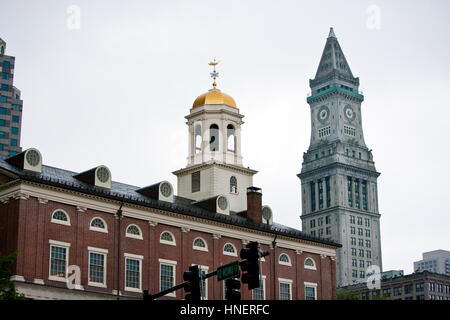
{"type": "Point", "coordinates": [84, 236]}
{"type": "Point", "coordinates": [423, 285]}
{"type": "Point", "coordinates": [338, 176]}
{"type": "Point", "coordinates": [10, 106]}
{"type": "Point", "coordinates": [434, 261]}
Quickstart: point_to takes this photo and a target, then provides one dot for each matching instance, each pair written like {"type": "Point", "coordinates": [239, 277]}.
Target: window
{"type": "Point", "coordinates": [362, 274]}
{"type": "Point", "coordinates": [310, 291]}
{"type": "Point", "coordinates": [195, 181]}
{"type": "Point", "coordinates": [408, 288]}
{"type": "Point", "coordinates": [133, 231]}
{"type": "Point", "coordinates": [368, 254]}
{"type": "Point", "coordinates": [361, 242]}
{"type": "Point", "coordinates": [167, 238]}
{"type": "Point", "coordinates": [354, 263]}
{"type": "Point", "coordinates": [431, 286]}
{"type": "Point", "coordinates": [360, 232]}
{"type": "Point", "coordinates": [355, 273]}
{"type": "Point", "coordinates": [5, 75]}
{"type": "Point", "coordinates": [198, 138]}
{"type": "Point", "coordinates": [352, 219]}
{"type": "Point", "coordinates": [97, 267]}
{"type": "Point", "coordinates": [14, 142]}
{"type": "Point", "coordinates": [229, 250]}
{"type": "Point", "coordinates": [167, 275]}
{"type": "Point", "coordinates": [320, 221]}
{"type": "Point", "coordinates": [203, 270]}
{"type": "Point", "coordinates": [3, 99]}
{"type": "Point", "coordinates": [354, 252]}
{"type": "Point", "coordinates": [260, 293]}
{"type": "Point", "coordinates": [2, 110]}
{"type": "Point", "coordinates": [6, 64]}
{"type": "Point", "coordinates": [397, 291]}
{"type": "Point", "coordinates": [309, 264]}
{"type": "Point", "coordinates": [325, 131]}
{"type": "Point", "coordinates": [5, 87]}
{"type": "Point", "coordinates": [133, 275]}
{"type": "Point", "coordinates": [349, 191]}
{"type": "Point", "coordinates": [350, 131]}
{"type": "Point", "coordinates": [361, 263]}
{"type": "Point", "coordinates": [352, 230]}
{"type": "Point", "coordinates": [214, 137]}
{"type": "Point", "coordinates": [327, 187]}
{"type": "Point", "coordinates": [353, 241]}
{"type": "Point", "coordinates": [313, 195]}
{"type": "Point", "coordinates": [59, 256]}
{"type": "Point", "coordinates": [320, 186]}
{"type": "Point", "coordinates": [2, 122]}
{"type": "Point", "coordinates": [328, 219]}
{"type": "Point", "coordinates": [98, 224]}
{"type": "Point", "coordinates": [15, 119]}
{"type": "Point", "coordinates": [420, 287]}
{"type": "Point", "coordinates": [230, 138]}
{"type": "Point", "coordinates": [312, 223]}
{"type": "Point", "coordinates": [2, 135]}
{"type": "Point", "coordinates": [285, 289]}
{"type": "Point", "coordinates": [357, 204]}
{"type": "Point", "coordinates": [368, 243]}
{"type": "Point", "coordinates": [233, 184]}
{"type": "Point", "coordinates": [16, 107]}
{"type": "Point", "coordinates": [359, 221]}
{"type": "Point", "coordinates": [364, 194]}
{"type": "Point", "coordinates": [328, 230]}
{"type": "Point", "coordinates": [367, 232]}
{"type": "Point", "coordinates": [361, 253]}
{"type": "Point", "coordinates": [200, 244]}
{"type": "Point", "coordinates": [284, 260]}
{"type": "Point", "coordinates": [320, 232]}
{"type": "Point", "coordinates": [60, 217]}
{"type": "Point", "coordinates": [14, 130]}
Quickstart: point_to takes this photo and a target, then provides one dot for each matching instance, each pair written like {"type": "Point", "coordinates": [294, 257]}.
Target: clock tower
{"type": "Point", "coordinates": [338, 176]}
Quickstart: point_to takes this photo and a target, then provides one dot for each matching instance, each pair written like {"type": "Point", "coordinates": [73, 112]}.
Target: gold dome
{"type": "Point", "coordinates": [214, 96]}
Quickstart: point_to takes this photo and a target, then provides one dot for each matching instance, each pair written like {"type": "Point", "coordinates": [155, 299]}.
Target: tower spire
{"type": "Point", "coordinates": [331, 34]}
{"type": "Point", "coordinates": [214, 74]}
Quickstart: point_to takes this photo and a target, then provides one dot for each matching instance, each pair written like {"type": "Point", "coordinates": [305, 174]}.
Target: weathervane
{"type": "Point", "coordinates": [214, 74]}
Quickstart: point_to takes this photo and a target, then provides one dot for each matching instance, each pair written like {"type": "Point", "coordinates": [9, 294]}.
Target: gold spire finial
{"type": "Point", "coordinates": [214, 74]}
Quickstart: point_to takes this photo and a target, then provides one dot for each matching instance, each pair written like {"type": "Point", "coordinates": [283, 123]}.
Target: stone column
{"type": "Point", "coordinates": [153, 257]}
{"type": "Point", "coordinates": [216, 261]}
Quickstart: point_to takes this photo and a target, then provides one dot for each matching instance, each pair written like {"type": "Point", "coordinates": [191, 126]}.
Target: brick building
{"type": "Point", "coordinates": [125, 239]}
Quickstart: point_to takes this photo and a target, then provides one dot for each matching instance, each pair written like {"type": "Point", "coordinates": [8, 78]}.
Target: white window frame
{"type": "Point", "coordinates": [200, 248]}
{"type": "Point", "coordinates": [173, 264]}
{"type": "Point", "coordinates": [311, 285]}
{"type": "Point", "coordinates": [65, 223]}
{"type": "Point", "coordinates": [263, 280]}
{"type": "Point", "coordinates": [204, 268]}
{"type": "Point", "coordinates": [285, 281]}
{"type": "Point", "coordinates": [313, 267]}
{"type": "Point", "coordinates": [284, 263]}
{"type": "Point", "coordinates": [226, 253]}
{"type": "Point", "coordinates": [134, 236]}
{"type": "Point", "coordinates": [133, 257]}
{"type": "Point", "coordinates": [103, 252]}
{"type": "Point", "coordinates": [104, 230]}
{"type": "Point", "coordinates": [66, 245]}
{"type": "Point", "coordinates": [171, 243]}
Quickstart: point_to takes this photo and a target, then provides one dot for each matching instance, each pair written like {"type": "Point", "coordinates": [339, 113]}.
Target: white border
{"type": "Point", "coordinates": [283, 262]}
{"type": "Point", "coordinates": [285, 281]}
{"type": "Point", "coordinates": [310, 267]}
{"type": "Point", "coordinates": [226, 253]}
{"type": "Point", "coordinates": [170, 243]}
{"type": "Point", "coordinates": [174, 265]}
{"type": "Point", "coordinates": [311, 285]}
{"type": "Point", "coordinates": [103, 252]}
{"type": "Point", "coordinates": [104, 230]}
{"type": "Point", "coordinates": [65, 223]}
{"type": "Point", "coordinates": [65, 245]}
{"type": "Point", "coordinates": [200, 248]}
{"type": "Point", "coordinates": [134, 236]}
{"type": "Point", "coordinates": [138, 258]}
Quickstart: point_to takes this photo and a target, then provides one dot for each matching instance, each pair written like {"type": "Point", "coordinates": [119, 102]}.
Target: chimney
{"type": "Point", "coordinates": [254, 204]}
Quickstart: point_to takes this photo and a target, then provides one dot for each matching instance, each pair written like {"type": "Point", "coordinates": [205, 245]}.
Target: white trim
{"type": "Point", "coordinates": [59, 243]}
{"type": "Point", "coordinates": [205, 269]}
{"type": "Point", "coordinates": [289, 264]}
{"type": "Point", "coordinates": [138, 258]}
{"type": "Point", "coordinates": [104, 230]}
{"type": "Point", "coordinates": [174, 265]}
{"type": "Point", "coordinates": [200, 248]}
{"type": "Point", "coordinates": [310, 285]}
{"type": "Point", "coordinates": [285, 281]}
{"type": "Point", "coordinates": [226, 253]}
{"type": "Point", "coordinates": [103, 252]}
{"type": "Point", "coordinates": [134, 236]}
{"type": "Point", "coordinates": [310, 267]}
{"type": "Point", "coordinates": [65, 223]}
{"type": "Point", "coordinates": [263, 280]}
{"type": "Point", "coordinates": [170, 243]}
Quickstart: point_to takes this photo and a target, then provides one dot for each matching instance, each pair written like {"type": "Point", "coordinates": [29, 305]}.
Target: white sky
{"type": "Point", "coordinates": [116, 90]}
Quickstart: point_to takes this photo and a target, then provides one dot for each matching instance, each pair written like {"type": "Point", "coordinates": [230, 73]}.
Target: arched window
{"type": "Point", "coordinates": [233, 184]}
{"type": "Point", "coordinates": [198, 138]}
{"type": "Point", "coordinates": [284, 259]}
{"type": "Point", "coordinates": [309, 264]}
{"type": "Point", "coordinates": [200, 244]}
{"type": "Point", "coordinates": [167, 238]}
{"type": "Point", "coordinates": [60, 217]}
{"type": "Point", "coordinates": [133, 231]}
{"type": "Point", "coordinates": [98, 224]}
{"type": "Point", "coordinates": [214, 137]}
{"type": "Point", "coordinates": [229, 250]}
{"type": "Point", "coordinates": [230, 138]}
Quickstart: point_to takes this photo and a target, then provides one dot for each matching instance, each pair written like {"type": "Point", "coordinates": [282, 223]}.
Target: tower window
{"type": "Point", "coordinates": [230, 138]}
{"type": "Point", "coordinates": [313, 196]}
{"type": "Point", "coordinates": [350, 131]}
{"type": "Point", "coordinates": [198, 138]}
{"type": "Point", "coordinates": [233, 184]}
{"type": "Point", "coordinates": [349, 191]}
{"type": "Point", "coordinates": [357, 205]}
{"type": "Point", "coordinates": [364, 194]}
{"type": "Point", "coordinates": [320, 184]}
{"type": "Point", "coordinates": [323, 132]}
{"type": "Point", "coordinates": [195, 181]}
{"type": "Point", "coordinates": [214, 137]}
{"type": "Point", "coordinates": [327, 188]}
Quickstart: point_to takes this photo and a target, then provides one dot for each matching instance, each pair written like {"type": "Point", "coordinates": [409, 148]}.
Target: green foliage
{"type": "Point", "coordinates": [349, 295]}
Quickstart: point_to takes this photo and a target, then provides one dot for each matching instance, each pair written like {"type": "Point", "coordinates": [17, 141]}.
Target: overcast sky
{"type": "Point", "coordinates": [113, 87]}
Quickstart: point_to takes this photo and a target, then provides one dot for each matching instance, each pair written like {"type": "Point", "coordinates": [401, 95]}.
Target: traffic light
{"type": "Point", "coordinates": [250, 265]}
{"type": "Point", "coordinates": [232, 287]}
{"type": "Point", "coordinates": [193, 286]}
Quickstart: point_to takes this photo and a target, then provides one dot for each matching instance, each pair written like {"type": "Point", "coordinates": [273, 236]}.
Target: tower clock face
{"type": "Point", "coordinates": [349, 113]}
{"type": "Point", "coordinates": [323, 114]}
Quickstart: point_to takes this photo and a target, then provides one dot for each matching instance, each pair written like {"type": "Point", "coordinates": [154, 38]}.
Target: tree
{"type": "Point", "coordinates": [349, 295]}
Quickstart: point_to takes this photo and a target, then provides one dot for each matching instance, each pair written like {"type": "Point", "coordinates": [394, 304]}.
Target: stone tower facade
{"type": "Point", "coordinates": [338, 176]}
